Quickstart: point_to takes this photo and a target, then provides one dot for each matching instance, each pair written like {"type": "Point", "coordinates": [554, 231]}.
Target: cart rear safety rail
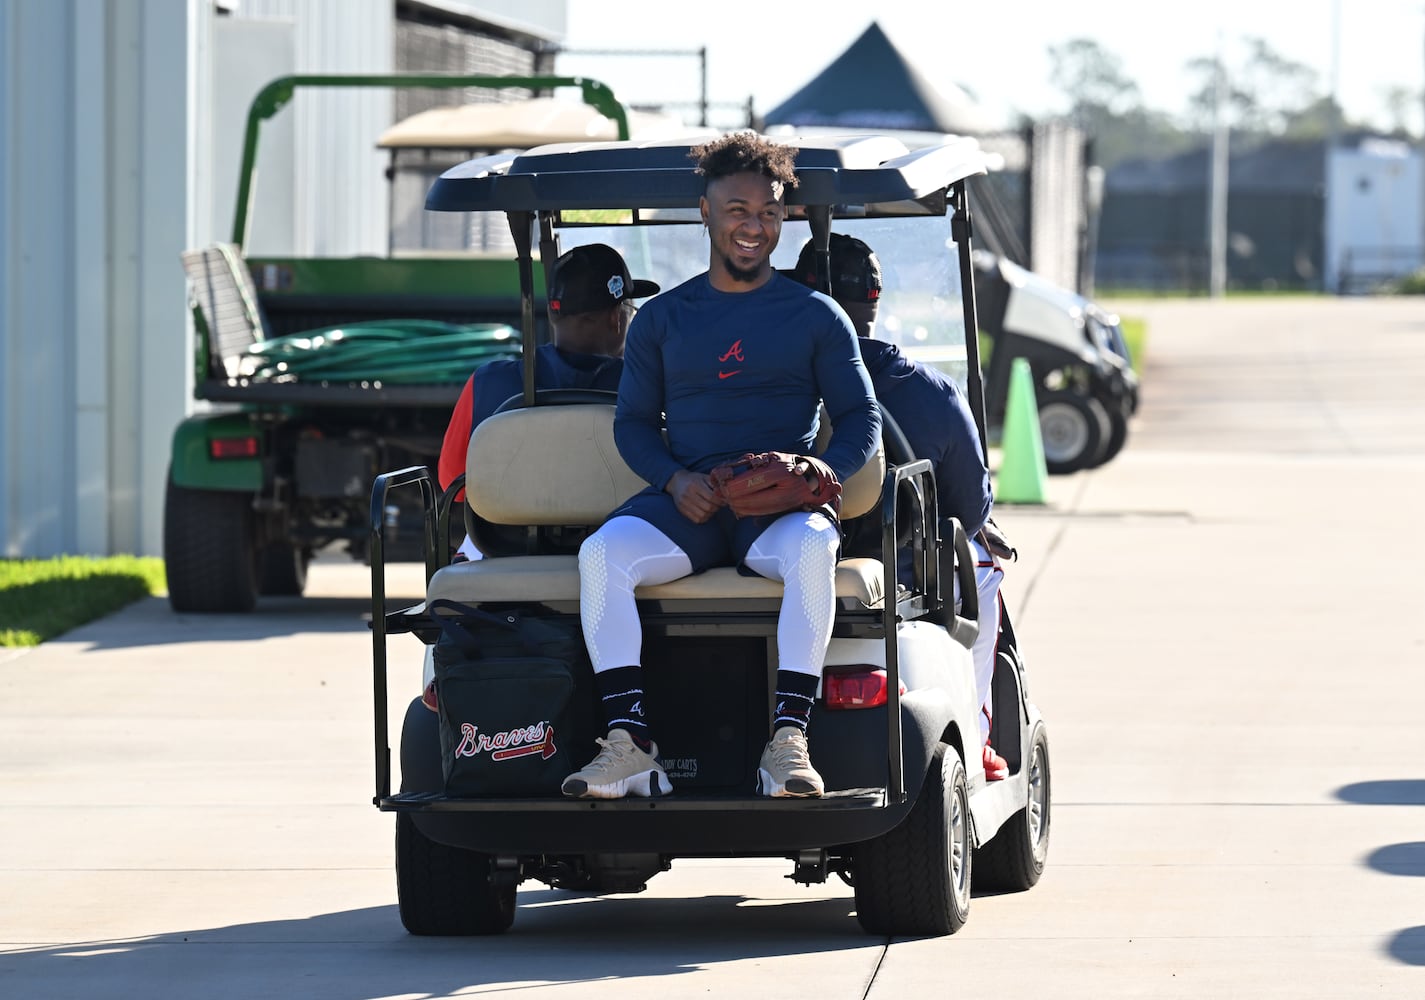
{"type": "Point", "coordinates": [756, 616]}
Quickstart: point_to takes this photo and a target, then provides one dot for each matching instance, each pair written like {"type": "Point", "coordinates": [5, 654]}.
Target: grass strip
{"type": "Point", "coordinates": [44, 598]}
{"type": "Point", "coordinates": [1135, 335]}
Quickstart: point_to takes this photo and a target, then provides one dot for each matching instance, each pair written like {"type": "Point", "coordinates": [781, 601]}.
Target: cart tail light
{"type": "Point", "coordinates": [858, 686]}
{"type": "Point", "coordinates": [238, 447]}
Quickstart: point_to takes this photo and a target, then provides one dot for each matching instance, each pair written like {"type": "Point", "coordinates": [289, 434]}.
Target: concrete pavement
{"type": "Point", "coordinates": [1222, 629]}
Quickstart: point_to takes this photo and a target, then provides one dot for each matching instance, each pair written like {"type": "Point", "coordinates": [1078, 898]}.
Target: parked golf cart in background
{"type": "Point", "coordinates": [316, 373]}
{"type": "Point", "coordinates": [909, 818]}
{"type": "Point", "coordinates": [1083, 376]}
{"type": "Point", "coordinates": [425, 145]}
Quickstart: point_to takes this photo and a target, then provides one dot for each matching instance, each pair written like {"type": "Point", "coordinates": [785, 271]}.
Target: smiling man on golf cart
{"type": "Point", "coordinates": [739, 359]}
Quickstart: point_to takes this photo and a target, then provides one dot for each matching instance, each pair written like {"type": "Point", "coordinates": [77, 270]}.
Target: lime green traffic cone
{"type": "Point", "coordinates": [1022, 474]}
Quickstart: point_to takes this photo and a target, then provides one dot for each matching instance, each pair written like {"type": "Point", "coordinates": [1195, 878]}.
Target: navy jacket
{"type": "Point", "coordinates": [929, 408]}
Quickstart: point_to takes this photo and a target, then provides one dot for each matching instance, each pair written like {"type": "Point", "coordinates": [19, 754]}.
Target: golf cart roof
{"type": "Point", "coordinates": [521, 125]}
{"type": "Point", "coordinates": [868, 176]}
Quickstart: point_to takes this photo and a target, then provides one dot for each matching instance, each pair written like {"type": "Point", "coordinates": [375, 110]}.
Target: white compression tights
{"type": "Point", "coordinates": [798, 549]}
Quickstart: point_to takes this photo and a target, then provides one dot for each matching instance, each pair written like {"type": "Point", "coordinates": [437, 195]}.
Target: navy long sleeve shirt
{"type": "Point", "coordinates": [741, 371]}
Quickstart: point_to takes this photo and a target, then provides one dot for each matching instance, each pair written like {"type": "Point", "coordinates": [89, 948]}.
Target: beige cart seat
{"type": "Point", "coordinates": [558, 466]}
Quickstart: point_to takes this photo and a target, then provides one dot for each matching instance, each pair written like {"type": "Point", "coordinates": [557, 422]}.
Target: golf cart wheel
{"type": "Point", "coordinates": [915, 879]}
{"type": "Point", "coordinates": [1014, 858]}
{"type": "Point", "coordinates": [282, 570]}
{"type": "Point", "coordinates": [209, 549]}
{"type": "Point", "coordinates": [1117, 433]}
{"type": "Point", "coordinates": [1074, 429]}
{"type": "Point", "coordinates": [446, 891]}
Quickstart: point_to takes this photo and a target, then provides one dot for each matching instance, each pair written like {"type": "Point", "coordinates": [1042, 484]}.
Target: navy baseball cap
{"type": "Point", "coordinates": [593, 277]}
{"type": "Point", "coordinates": [855, 270]}
{"type": "Point", "coordinates": [855, 279]}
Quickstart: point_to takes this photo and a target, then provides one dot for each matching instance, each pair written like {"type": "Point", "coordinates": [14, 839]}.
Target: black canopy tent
{"type": "Point", "coordinates": [873, 86]}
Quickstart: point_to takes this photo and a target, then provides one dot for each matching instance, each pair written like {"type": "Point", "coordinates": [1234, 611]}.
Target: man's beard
{"type": "Point", "coordinates": [746, 275]}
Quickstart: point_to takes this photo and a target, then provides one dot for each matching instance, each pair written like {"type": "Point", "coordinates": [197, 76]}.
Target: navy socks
{"type": "Point", "coordinates": [795, 693]}
{"type": "Point", "coordinates": [620, 692]}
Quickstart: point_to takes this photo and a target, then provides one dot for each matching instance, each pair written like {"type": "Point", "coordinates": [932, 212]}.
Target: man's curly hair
{"type": "Point", "coordinates": [746, 153]}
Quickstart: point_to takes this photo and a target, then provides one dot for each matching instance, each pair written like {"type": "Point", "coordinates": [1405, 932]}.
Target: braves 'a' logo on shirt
{"type": "Point", "coordinates": [734, 353]}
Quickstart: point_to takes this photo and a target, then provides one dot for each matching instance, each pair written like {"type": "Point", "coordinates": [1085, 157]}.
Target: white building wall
{"type": "Point", "coordinates": [541, 17]}
{"type": "Point", "coordinates": [108, 135]}
{"type": "Point", "coordinates": [95, 184]}
{"type": "Point", "coordinates": [339, 193]}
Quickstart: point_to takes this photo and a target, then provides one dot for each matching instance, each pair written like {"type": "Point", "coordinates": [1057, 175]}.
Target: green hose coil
{"type": "Point", "coordinates": [385, 352]}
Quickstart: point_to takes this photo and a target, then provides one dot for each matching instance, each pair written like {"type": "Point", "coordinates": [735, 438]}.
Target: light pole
{"type": "Point", "coordinates": [1333, 124]}
{"type": "Point", "coordinates": [1217, 184]}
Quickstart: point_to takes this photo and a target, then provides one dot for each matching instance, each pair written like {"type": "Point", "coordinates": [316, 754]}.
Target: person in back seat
{"type": "Point", "coordinates": [590, 305]}
{"type": "Point", "coordinates": [938, 425]}
{"type": "Point", "coordinates": [739, 359]}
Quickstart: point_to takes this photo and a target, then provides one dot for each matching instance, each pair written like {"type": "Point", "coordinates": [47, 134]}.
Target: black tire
{"type": "Point", "coordinates": [446, 891]}
{"type": "Point", "coordinates": [1117, 433]}
{"type": "Point", "coordinates": [1074, 429]}
{"type": "Point", "coordinates": [282, 570]}
{"type": "Point", "coordinates": [209, 549]}
{"type": "Point", "coordinates": [915, 879]}
{"type": "Point", "coordinates": [1014, 858]}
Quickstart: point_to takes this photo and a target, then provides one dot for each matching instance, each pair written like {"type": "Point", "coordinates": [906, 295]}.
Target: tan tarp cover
{"type": "Point", "coordinates": [522, 125]}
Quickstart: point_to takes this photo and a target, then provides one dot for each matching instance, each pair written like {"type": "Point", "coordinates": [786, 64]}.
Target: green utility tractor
{"type": "Point", "coordinates": [317, 373]}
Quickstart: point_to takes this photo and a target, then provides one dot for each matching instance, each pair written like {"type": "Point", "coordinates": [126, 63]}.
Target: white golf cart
{"type": "Point", "coordinates": [908, 819]}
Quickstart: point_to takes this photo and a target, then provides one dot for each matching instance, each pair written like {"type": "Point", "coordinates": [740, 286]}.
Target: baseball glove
{"type": "Point", "coordinates": [774, 482]}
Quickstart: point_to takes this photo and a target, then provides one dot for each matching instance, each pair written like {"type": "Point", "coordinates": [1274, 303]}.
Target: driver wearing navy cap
{"type": "Point", "coordinates": [594, 279]}
{"type": "Point", "coordinates": [938, 425]}
{"type": "Point", "coordinates": [590, 306]}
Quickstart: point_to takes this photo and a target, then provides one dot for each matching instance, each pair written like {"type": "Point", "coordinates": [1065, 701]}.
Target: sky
{"type": "Point", "coordinates": [1004, 58]}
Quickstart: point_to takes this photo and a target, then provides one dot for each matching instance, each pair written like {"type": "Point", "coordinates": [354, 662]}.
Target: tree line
{"type": "Point", "coordinates": [1261, 94]}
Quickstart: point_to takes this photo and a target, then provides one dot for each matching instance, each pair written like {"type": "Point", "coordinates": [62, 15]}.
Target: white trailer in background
{"type": "Point", "coordinates": [1375, 215]}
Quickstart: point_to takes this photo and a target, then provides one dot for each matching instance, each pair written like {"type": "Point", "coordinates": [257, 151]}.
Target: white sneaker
{"type": "Point", "coordinates": [620, 768]}
{"type": "Point", "coordinates": [785, 770]}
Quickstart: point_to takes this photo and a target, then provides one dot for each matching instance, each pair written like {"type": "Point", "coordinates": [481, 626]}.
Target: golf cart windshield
{"type": "Point", "coordinates": [920, 309]}
{"type": "Point", "coordinates": [642, 197]}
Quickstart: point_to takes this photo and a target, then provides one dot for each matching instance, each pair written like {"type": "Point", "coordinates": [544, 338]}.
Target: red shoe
{"type": "Point", "coordinates": [995, 767]}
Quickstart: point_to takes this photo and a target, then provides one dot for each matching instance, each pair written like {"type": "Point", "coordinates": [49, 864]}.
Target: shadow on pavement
{"type": "Point", "coordinates": [151, 622]}
{"type": "Point", "coordinates": [558, 938]}
{"type": "Point", "coordinates": [1399, 859]}
{"type": "Point", "coordinates": [1408, 946]}
{"type": "Point", "coordinates": [1398, 792]}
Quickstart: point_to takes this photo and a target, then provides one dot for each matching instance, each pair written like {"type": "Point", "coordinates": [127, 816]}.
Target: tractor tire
{"type": "Point", "coordinates": [209, 549]}
{"type": "Point", "coordinates": [446, 891]}
{"type": "Point", "coordinates": [282, 570]}
{"type": "Point", "coordinates": [915, 880]}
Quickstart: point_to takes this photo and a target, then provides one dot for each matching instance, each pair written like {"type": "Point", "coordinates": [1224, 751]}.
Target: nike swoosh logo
{"type": "Point", "coordinates": [728, 374]}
